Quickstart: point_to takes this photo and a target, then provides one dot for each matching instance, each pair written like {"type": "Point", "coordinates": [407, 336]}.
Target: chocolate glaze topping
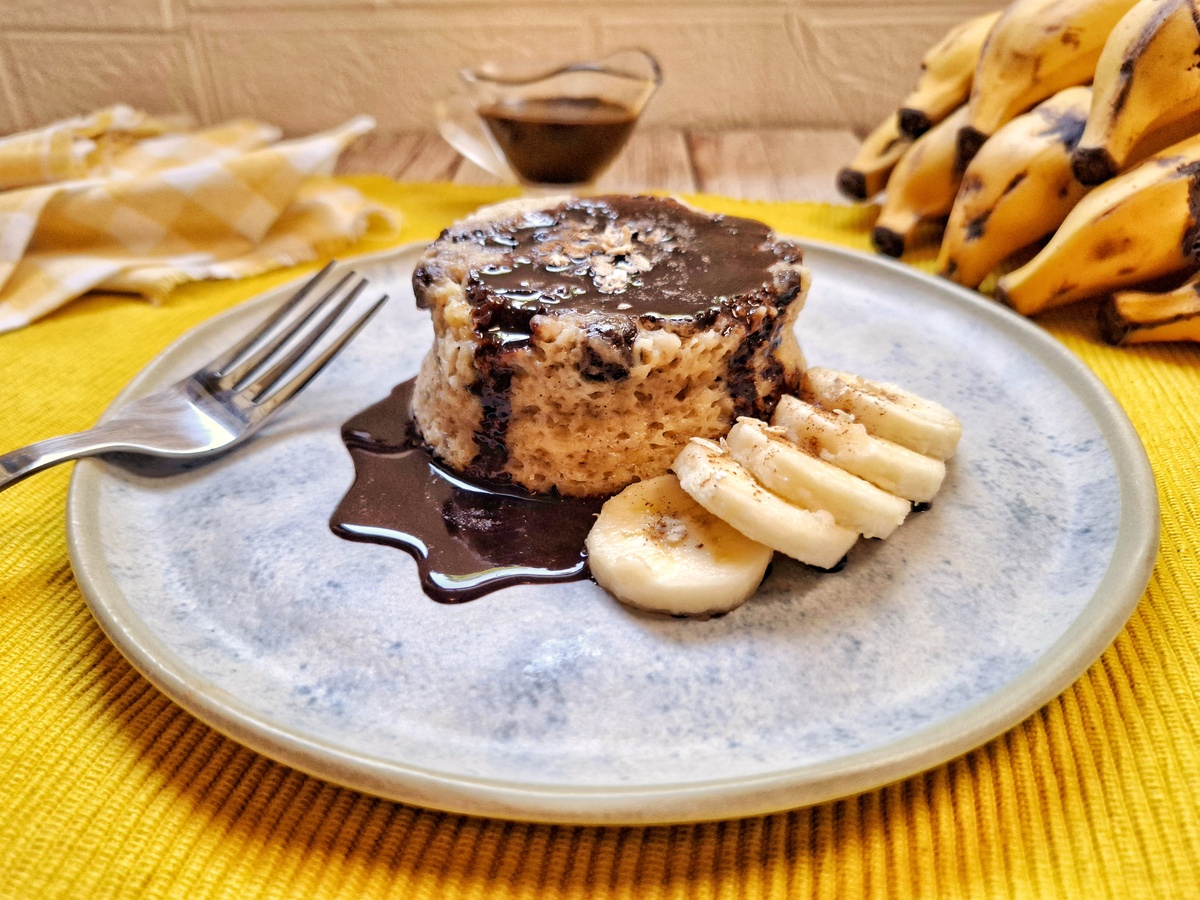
{"type": "Point", "coordinates": [640, 257]}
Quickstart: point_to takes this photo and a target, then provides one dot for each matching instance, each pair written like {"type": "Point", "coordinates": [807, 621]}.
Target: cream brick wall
{"type": "Point", "coordinates": [307, 64]}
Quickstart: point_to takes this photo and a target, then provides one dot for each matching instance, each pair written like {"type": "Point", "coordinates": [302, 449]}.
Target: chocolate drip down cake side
{"type": "Point", "coordinates": [580, 343]}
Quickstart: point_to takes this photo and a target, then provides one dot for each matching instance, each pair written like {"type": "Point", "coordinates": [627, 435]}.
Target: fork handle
{"type": "Point", "coordinates": [20, 464]}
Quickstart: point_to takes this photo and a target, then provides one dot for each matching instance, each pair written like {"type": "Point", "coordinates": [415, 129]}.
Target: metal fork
{"type": "Point", "coordinates": [224, 402]}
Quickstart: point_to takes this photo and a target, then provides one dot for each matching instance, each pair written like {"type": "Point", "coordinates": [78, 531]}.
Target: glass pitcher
{"type": "Point", "coordinates": [555, 131]}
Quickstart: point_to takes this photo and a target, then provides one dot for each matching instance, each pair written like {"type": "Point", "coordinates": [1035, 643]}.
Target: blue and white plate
{"type": "Point", "coordinates": [226, 588]}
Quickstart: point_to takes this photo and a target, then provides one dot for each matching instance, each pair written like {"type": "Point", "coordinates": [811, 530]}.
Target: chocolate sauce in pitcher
{"type": "Point", "coordinates": [559, 140]}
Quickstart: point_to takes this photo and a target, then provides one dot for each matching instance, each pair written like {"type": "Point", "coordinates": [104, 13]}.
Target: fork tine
{"type": "Point", "coordinates": [254, 348]}
{"type": "Point", "coordinates": [305, 342]}
{"type": "Point", "coordinates": [223, 361]}
{"type": "Point", "coordinates": [264, 407]}
{"type": "Point", "coordinates": [275, 342]}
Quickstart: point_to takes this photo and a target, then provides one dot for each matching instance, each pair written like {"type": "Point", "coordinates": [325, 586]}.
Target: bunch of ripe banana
{"type": "Point", "coordinates": [1053, 147]}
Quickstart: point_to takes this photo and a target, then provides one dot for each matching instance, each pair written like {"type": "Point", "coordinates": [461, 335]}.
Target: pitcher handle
{"type": "Point", "coordinates": [462, 129]}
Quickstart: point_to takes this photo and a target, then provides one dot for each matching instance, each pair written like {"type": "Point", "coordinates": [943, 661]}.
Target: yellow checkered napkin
{"type": "Point", "coordinates": [122, 201]}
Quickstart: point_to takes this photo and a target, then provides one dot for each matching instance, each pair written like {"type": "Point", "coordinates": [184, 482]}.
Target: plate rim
{"type": "Point", "coordinates": [1061, 664]}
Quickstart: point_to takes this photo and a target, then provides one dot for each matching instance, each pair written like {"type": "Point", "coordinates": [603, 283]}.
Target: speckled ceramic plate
{"type": "Point", "coordinates": [226, 588]}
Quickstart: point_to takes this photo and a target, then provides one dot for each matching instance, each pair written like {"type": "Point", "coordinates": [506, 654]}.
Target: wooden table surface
{"type": "Point", "coordinates": [757, 164]}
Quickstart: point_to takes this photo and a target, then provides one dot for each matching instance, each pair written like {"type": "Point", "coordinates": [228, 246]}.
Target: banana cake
{"type": "Point", "coordinates": [580, 343]}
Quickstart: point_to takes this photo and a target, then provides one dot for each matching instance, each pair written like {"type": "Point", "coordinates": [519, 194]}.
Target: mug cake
{"type": "Point", "coordinates": [579, 343]}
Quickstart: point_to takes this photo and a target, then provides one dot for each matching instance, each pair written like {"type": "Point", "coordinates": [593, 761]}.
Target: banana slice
{"type": "Point", "coordinates": [838, 438]}
{"type": "Point", "coordinates": [887, 411]}
{"type": "Point", "coordinates": [656, 548]}
{"type": "Point", "coordinates": [719, 483]}
{"type": "Point", "coordinates": [809, 481]}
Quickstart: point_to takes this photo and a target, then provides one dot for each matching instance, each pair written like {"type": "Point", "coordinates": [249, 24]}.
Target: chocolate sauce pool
{"type": "Point", "coordinates": [469, 537]}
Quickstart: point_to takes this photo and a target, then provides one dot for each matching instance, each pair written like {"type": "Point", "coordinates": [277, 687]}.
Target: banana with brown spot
{"type": "Point", "coordinates": [1144, 317]}
{"type": "Point", "coordinates": [1035, 49]}
{"type": "Point", "coordinates": [877, 156]}
{"type": "Point", "coordinates": [1143, 224]}
{"type": "Point", "coordinates": [921, 190]}
{"type": "Point", "coordinates": [947, 71]}
{"type": "Point", "coordinates": [1146, 90]}
{"type": "Point", "coordinates": [1018, 189]}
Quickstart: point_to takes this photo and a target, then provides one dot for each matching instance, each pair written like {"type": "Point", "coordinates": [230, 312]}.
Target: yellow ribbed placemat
{"type": "Point", "coordinates": [107, 789]}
